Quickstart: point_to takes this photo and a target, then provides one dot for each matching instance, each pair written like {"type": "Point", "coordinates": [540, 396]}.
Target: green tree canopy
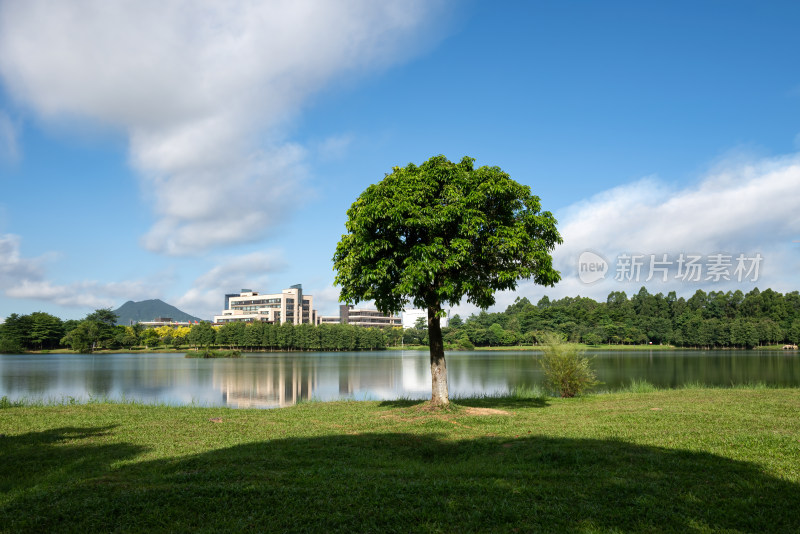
{"type": "Point", "coordinates": [436, 233]}
{"type": "Point", "coordinates": [103, 316]}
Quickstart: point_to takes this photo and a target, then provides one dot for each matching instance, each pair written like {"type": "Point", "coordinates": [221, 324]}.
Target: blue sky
{"type": "Point", "coordinates": [182, 150]}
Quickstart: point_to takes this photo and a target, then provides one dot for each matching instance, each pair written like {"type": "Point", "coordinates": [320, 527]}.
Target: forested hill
{"type": "Point", "coordinates": [147, 310]}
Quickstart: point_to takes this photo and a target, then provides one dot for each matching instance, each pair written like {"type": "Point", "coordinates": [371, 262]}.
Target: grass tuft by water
{"type": "Point", "coordinates": [6, 403]}
{"type": "Point", "coordinates": [528, 392]}
{"type": "Point", "coordinates": [639, 385]}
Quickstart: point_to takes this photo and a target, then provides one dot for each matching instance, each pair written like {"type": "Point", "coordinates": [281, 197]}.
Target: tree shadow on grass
{"type": "Point", "coordinates": [502, 403]}
{"type": "Point", "coordinates": [417, 483]}
{"type": "Point", "coordinates": [59, 456]}
{"type": "Point", "coordinates": [402, 403]}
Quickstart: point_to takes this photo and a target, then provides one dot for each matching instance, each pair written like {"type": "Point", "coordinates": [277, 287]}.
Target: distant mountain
{"type": "Point", "coordinates": [147, 310]}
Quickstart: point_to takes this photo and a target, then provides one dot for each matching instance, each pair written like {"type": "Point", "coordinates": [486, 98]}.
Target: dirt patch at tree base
{"type": "Point", "coordinates": [485, 411]}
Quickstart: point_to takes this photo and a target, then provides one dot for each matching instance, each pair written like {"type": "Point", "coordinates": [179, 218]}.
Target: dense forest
{"type": "Point", "coordinates": [711, 320]}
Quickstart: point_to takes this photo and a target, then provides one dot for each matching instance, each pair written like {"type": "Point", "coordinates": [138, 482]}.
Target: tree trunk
{"type": "Point", "coordinates": [439, 395]}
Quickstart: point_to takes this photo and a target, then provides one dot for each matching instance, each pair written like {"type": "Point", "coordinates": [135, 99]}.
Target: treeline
{"type": "Point", "coordinates": [713, 320]}
{"type": "Point", "coordinates": [42, 331]}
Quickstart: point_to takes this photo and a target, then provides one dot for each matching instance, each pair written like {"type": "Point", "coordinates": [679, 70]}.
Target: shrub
{"type": "Point", "coordinates": [9, 346]}
{"type": "Point", "coordinates": [465, 344]}
{"type": "Point", "coordinates": [208, 353]}
{"type": "Point", "coordinates": [566, 370]}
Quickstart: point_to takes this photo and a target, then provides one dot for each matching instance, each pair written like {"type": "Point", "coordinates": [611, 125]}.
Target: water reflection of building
{"type": "Point", "coordinates": [266, 386]}
{"type": "Point", "coordinates": [367, 377]}
{"type": "Point", "coordinates": [416, 374]}
{"type": "Point", "coordinates": [283, 380]}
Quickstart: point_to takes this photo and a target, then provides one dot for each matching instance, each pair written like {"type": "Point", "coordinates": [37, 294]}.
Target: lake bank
{"type": "Point", "coordinates": [673, 460]}
{"type": "Point", "coordinates": [583, 346]}
{"type": "Point", "coordinates": [529, 348]}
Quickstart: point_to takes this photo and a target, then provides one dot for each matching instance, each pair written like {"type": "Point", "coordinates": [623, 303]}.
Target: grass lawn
{"type": "Point", "coordinates": [696, 460]}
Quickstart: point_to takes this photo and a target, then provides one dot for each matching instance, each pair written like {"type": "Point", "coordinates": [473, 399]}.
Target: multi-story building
{"type": "Point", "coordinates": [361, 317]}
{"type": "Point", "coordinates": [288, 306]}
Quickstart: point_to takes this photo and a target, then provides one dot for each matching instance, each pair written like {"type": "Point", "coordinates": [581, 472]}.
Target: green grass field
{"type": "Point", "coordinates": [689, 460]}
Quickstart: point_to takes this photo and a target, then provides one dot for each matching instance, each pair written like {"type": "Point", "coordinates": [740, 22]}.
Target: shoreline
{"type": "Point", "coordinates": [609, 348]}
{"type": "Point", "coordinates": [512, 348]}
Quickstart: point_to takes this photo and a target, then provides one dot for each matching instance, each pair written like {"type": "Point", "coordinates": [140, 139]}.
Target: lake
{"type": "Point", "coordinates": [268, 380]}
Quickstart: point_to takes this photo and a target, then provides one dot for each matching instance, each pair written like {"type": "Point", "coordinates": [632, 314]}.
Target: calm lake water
{"type": "Point", "coordinates": [268, 380]}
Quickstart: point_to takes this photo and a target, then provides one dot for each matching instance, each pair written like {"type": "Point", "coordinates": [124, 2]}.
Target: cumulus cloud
{"type": "Point", "coordinates": [741, 207]}
{"type": "Point", "coordinates": [746, 208]}
{"type": "Point", "coordinates": [84, 294]}
{"type": "Point", "coordinates": [25, 278]}
{"type": "Point", "coordinates": [13, 267]}
{"type": "Point", "coordinates": [252, 271]}
{"type": "Point", "coordinates": [204, 91]}
{"type": "Point", "coordinates": [326, 300]}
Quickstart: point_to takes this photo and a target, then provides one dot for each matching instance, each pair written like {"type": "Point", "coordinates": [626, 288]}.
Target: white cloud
{"type": "Point", "coordinates": [205, 297]}
{"type": "Point", "coordinates": [204, 91]}
{"type": "Point", "coordinates": [13, 267]}
{"type": "Point", "coordinates": [326, 300]}
{"type": "Point", "coordinates": [740, 207]}
{"type": "Point", "coordinates": [9, 147]}
{"type": "Point", "coordinates": [241, 270]}
{"type": "Point", "coordinates": [24, 278]}
{"type": "Point", "coordinates": [87, 294]}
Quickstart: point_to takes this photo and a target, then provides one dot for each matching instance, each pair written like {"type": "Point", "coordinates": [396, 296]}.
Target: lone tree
{"type": "Point", "coordinates": [435, 233]}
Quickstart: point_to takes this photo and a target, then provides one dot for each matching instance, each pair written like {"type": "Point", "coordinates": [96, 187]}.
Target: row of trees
{"type": "Point", "coordinates": [42, 331]}
{"type": "Point", "coordinates": [715, 319]}
{"type": "Point", "coordinates": [286, 336]}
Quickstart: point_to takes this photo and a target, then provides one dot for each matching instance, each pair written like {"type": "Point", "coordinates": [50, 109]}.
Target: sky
{"type": "Point", "coordinates": [182, 150]}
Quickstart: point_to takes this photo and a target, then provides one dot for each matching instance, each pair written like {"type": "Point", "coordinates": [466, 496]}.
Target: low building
{"type": "Point", "coordinates": [410, 318]}
{"type": "Point", "coordinates": [164, 321]}
{"type": "Point", "coordinates": [288, 306]}
{"type": "Point", "coordinates": [369, 317]}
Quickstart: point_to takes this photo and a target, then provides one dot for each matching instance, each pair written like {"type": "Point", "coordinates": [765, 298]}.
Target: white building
{"type": "Point", "coordinates": [164, 321]}
{"type": "Point", "coordinates": [288, 306]}
{"type": "Point", "coordinates": [369, 317]}
{"type": "Point", "coordinates": [410, 318]}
